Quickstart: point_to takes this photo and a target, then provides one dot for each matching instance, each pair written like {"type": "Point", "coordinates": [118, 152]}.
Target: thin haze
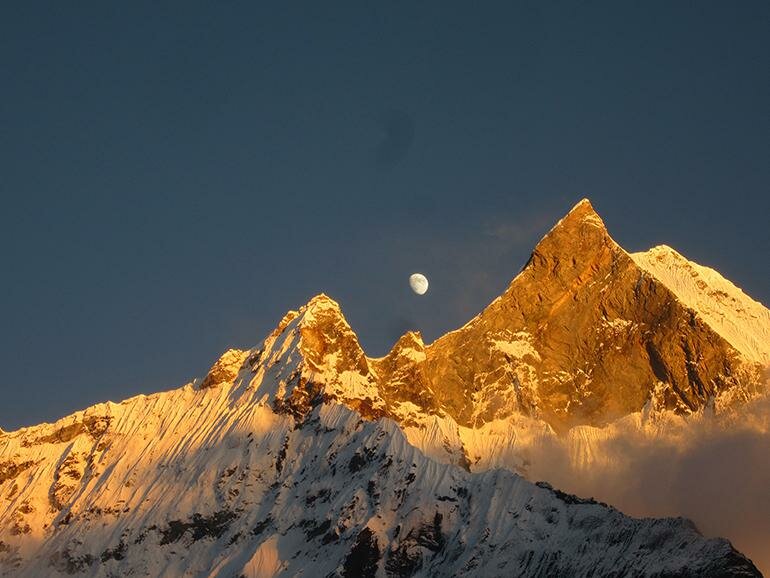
{"type": "Point", "coordinates": [175, 178]}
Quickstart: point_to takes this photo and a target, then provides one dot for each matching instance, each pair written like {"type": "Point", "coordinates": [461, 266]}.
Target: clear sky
{"type": "Point", "coordinates": [175, 177]}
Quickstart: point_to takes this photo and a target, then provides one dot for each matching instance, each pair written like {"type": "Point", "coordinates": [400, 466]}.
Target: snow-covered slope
{"type": "Point", "coordinates": [743, 322]}
{"type": "Point", "coordinates": [258, 471]}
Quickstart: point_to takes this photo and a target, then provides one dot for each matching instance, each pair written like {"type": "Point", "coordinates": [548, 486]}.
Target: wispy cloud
{"type": "Point", "coordinates": [715, 471]}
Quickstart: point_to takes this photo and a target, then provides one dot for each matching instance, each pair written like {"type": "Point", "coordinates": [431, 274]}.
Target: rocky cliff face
{"type": "Point", "coordinates": [279, 460]}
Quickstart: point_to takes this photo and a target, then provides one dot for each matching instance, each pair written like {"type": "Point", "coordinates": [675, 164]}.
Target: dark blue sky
{"type": "Point", "coordinates": [174, 178]}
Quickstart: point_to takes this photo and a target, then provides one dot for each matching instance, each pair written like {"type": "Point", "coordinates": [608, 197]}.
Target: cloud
{"type": "Point", "coordinates": [715, 471]}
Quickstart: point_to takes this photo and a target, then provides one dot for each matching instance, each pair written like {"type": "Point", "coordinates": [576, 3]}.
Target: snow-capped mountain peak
{"type": "Point", "coordinates": [312, 355]}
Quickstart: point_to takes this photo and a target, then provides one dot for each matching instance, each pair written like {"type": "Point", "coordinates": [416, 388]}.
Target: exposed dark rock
{"type": "Point", "coordinates": [281, 457]}
{"type": "Point", "coordinates": [66, 479]}
{"type": "Point", "coordinates": [430, 536]}
{"type": "Point", "coordinates": [322, 494]}
{"type": "Point", "coordinates": [361, 458]}
{"type": "Point", "coordinates": [9, 469]}
{"type": "Point", "coordinates": [424, 540]}
{"type": "Point", "coordinates": [199, 527]}
{"type": "Point", "coordinates": [116, 553]}
{"type": "Point", "coordinates": [363, 558]}
{"type": "Point", "coordinates": [94, 426]}
{"type": "Point", "coordinates": [565, 497]}
{"type": "Point", "coordinates": [262, 526]}
{"type": "Point", "coordinates": [313, 529]}
{"type": "Point", "coordinates": [357, 462]}
{"type": "Point", "coordinates": [65, 561]}
{"type": "Point", "coordinates": [404, 560]}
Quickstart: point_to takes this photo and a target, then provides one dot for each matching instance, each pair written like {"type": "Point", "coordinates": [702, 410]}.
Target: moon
{"type": "Point", "coordinates": [419, 283]}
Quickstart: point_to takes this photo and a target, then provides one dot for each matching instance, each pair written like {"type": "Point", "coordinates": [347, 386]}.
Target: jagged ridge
{"type": "Point", "coordinates": [261, 474]}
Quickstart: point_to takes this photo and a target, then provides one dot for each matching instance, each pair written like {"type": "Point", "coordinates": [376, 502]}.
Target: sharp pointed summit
{"type": "Point", "coordinates": [326, 338]}
{"type": "Point", "coordinates": [578, 241]}
{"type": "Point", "coordinates": [580, 216]}
{"type": "Point", "coordinates": [320, 308]}
{"type": "Point", "coordinates": [583, 210]}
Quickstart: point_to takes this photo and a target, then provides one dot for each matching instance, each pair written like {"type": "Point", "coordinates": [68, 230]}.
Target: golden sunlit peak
{"type": "Point", "coordinates": [322, 299]}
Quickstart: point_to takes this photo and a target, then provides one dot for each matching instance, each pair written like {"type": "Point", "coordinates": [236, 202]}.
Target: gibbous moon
{"type": "Point", "coordinates": [419, 283]}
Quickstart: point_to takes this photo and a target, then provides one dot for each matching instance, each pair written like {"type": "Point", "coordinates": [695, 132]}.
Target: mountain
{"type": "Point", "coordinates": [255, 470]}
{"type": "Point", "coordinates": [305, 456]}
{"type": "Point", "coordinates": [583, 335]}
